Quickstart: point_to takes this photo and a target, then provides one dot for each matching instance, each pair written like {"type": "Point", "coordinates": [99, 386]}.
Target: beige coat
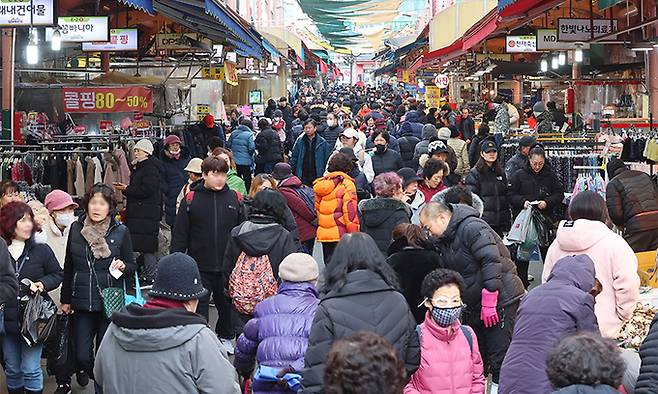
{"type": "Point", "coordinates": [461, 150]}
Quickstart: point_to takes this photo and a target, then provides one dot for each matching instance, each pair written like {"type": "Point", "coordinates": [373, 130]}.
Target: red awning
{"type": "Point", "coordinates": [526, 7]}
{"type": "Point", "coordinates": [481, 30]}
{"type": "Point", "coordinates": [434, 56]}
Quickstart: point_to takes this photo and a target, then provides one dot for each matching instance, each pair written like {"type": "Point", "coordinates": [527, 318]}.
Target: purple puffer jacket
{"type": "Point", "coordinates": [277, 335]}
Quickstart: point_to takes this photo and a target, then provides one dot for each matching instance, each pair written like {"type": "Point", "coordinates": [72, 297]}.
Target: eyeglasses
{"type": "Point", "coordinates": [444, 302]}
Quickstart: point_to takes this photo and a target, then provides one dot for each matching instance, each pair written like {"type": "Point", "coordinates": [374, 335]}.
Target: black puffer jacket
{"type": "Point", "coordinates": [378, 217]}
{"type": "Point", "coordinates": [331, 134]}
{"type": "Point", "coordinates": [492, 189]}
{"type": "Point", "coordinates": [527, 185]}
{"type": "Point", "coordinates": [79, 287]}
{"type": "Point", "coordinates": [8, 282]}
{"type": "Point", "coordinates": [39, 264]}
{"type": "Point", "coordinates": [144, 208]}
{"type": "Point", "coordinates": [390, 160]}
{"type": "Point", "coordinates": [647, 381]}
{"type": "Point", "coordinates": [470, 247]}
{"type": "Point", "coordinates": [514, 164]}
{"type": "Point", "coordinates": [632, 200]}
{"type": "Point", "coordinates": [268, 145]}
{"type": "Point", "coordinates": [365, 303]}
{"type": "Point", "coordinates": [203, 230]}
{"type": "Point", "coordinates": [407, 144]}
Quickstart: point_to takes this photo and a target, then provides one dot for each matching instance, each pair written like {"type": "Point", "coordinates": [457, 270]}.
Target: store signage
{"type": "Point", "coordinates": [547, 40]}
{"type": "Point", "coordinates": [201, 111]}
{"type": "Point", "coordinates": [215, 73]}
{"type": "Point", "coordinates": [442, 81]}
{"type": "Point", "coordinates": [174, 42]}
{"type": "Point", "coordinates": [603, 4]}
{"type": "Point", "coordinates": [432, 97]}
{"type": "Point", "coordinates": [231, 57]}
{"type": "Point", "coordinates": [81, 29]}
{"type": "Point", "coordinates": [571, 29]}
{"type": "Point", "coordinates": [480, 57]}
{"type": "Point", "coordinates": [120, 40]}
{"type": "Point", "coordinates": [108, 100]}
{"type": "Point", "coordinates": [521, 44]}
{"type": "Point", "coordinates": [25, 13]}
{"type": "Point", "coordinates": [230, 74]}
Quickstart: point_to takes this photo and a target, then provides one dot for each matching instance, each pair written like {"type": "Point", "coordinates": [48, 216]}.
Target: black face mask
{"type": "Point", "coordinates": [380, 148]}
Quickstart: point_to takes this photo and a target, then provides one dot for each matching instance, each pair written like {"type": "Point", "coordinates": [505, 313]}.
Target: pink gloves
{"type": "Point", "coordinates": [488, 313]}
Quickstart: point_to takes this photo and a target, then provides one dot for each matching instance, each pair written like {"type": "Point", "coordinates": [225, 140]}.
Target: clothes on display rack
{"type": "Point", "coordinates": [564, 166]}
{"type": "Point", "coordinates": [651, 150]}
{"type": "Point", "coordinates": [594, 183]}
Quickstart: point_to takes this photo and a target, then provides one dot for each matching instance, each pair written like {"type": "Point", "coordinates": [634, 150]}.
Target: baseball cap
{"type": "Point", "coordinates": [488, 146]}
{"type": "Point", "coordinates": [350, 133]}
{"type": "Point", "coordinates": [527, 141]}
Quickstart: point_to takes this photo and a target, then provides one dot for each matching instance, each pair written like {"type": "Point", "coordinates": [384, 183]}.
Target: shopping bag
{"type": "Point", "coordinates": [39, 317]}
{"type": "Point", "coordinates": [134, 299]}
{"type": "Point", "coordinates": [544, 228]}
{"type": "Point", "coordinates": [520, 227]}
{"type": "Point", "coordinates": [60, 354]}
{"type": "Point", "coordinates": [269, 374]}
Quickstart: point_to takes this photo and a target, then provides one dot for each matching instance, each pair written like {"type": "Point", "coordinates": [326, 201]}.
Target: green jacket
{"type": "Point", "coordinates": [235, 182]}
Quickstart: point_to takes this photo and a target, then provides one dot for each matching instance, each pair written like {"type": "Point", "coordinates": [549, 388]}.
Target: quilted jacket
{"type": "Point", "coordinates": [647, 381]}
{"type": "Point", "coordinates": [336, 206]}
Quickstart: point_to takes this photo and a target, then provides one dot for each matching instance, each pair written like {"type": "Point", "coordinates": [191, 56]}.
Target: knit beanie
{"type": "Point", "coordinates": [429, 131]}
{"type": "Point", "coordinates": [444, 133]}
{"type": "Point", "coordinates": [613, 167]}
{"type": "Point", "coordinates": [178, 278]}
{"type": "Point", "coordinates": [144, 145]}
{"type": "Point", "coordinates": [298, 267]}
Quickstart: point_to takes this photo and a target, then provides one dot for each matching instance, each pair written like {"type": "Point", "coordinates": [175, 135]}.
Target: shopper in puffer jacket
{"type": "Point", "coordinates": [429, 131]}
{"type": "Point", "coordinates": [378, 216]}
{"type": "Point", "coordinates": [647, 381]}
{"type": "Point", "coordinates": [361, 294]}
{"type": "Point", "coordinates": [243, 146]}
{"type": "Point", "coordinates": [614, 260]}
{"type": "Point", "coordinates": [269, 147]}
{"type": "Point", "coordinates": [632, 200]}
{"type": "Point", "coordinates": [407, 142]}
{"type": "Point", "coordinates": [174, 159]}
{"type": "Point", "coordinates": [277, 335]}
{"type": "Point", "coordinates": [412, 119]}
{"type": "Point", "coordinates": [289, 186]}
{"type": "Point", "coordinates": [562, 306]}
{"type": "Point", "coordinates": [469, 246]}
{"type": "Point", "coordinates": [450, 356]}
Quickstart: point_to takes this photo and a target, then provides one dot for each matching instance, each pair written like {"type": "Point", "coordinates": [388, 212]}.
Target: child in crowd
{"type": "Point", "coordinates": [450, 360]}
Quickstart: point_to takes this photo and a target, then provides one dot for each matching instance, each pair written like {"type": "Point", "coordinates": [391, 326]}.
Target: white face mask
{"type": "Point", "coordinates": [64, 219]}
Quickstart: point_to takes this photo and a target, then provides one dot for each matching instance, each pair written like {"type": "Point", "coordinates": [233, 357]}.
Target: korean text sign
{"type": "Point", "coordinates": [108, 100]}
{"type": "Point", "coordinates": [17, 13]}
{"type": "Point", "coordinates": [81, 29]}
{"type": "Point", "coordinates": [120, 40]}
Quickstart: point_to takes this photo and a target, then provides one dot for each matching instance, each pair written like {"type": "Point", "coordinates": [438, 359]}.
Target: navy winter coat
{"type": "Point", "coordinates": [144, 206]}
{"type": "Point", "coordinates": [647, 381]}
{"type": "Point", "coordinates": [242, 144]}
{"type": "Point", "coordinates": [277, 335]}
{"type": "Point", "coordinates": [413, 119]}
{"type": "Point", "coordinates": [172, 179]}
{"type": "Point", "coordinates": [559, 308]}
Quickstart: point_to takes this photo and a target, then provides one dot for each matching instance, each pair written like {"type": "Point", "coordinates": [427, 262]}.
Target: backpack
{"type": "Point", "coordinates": [464, 328]}
{"type": "Point", "coordinates": [307, 195]}
{"type": "Point", "coordinates": [251, 281]}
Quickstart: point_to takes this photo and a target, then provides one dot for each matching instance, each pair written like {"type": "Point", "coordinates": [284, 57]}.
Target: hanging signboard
{"type": "Point", "coordinates": [108, 100]}
{"type": "Point", "coordinates": [17, 13]}
{"type": "Point", "coordinates": [212, 73]}
{"type": "Point", "coordinates": [547, 41]}
{"type": "Point", "coordinates": [521, 44]}
{"type": "Point", "coordinates": [572, 29]}
{"type": "Point", "coordinates": [174, 42]}
{"type": "Point", "coordinates": [442, 81]}
{"type": "Point", "coordinates": [120, 40]}
{"type": "Point", "coordinates": [230, 74]}
{"type": "Point", "coordinates": [432, 97]}
{"type": "Point", "coordinates": [479, 57]}
{"type": "Point", "coordinates": [604, 4]}
{"type": "Point", "coordinates": [81, 29]}
{"type": "Point", "coordinates": [201, 111]}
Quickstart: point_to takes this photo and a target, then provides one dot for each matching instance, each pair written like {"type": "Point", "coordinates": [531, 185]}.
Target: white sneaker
{"type": "Point", "coordinates": [228, 345]}
{"type": "Point", "coordinates": [493, 389]}
{"type": "Point", "coordinates": [530, 278]}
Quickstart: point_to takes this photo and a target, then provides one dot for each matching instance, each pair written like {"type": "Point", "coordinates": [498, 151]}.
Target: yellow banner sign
{"type": "Point", "coordinates": [212, 73]}
{"type": "Point", "coordinates": [230, 74]}
{"type": "Point", "coordinates": [432, 97]}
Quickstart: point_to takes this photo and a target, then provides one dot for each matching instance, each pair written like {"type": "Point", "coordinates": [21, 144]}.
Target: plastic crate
{"type": "Point", "coordinates": [646, 267]}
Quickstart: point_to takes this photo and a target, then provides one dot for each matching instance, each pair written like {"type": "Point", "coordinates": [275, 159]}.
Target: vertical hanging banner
{"type": "Point", "coordinates": [17, 13]}
{"type": "Point", "coordinates": [230, 74]}
{"type": "Point", "coordinates": [108, 100]}
{"type": "Point", "coordinates": [81, 29]}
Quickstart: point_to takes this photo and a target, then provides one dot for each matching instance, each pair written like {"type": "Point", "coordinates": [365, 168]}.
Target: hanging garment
{"type": "Point", "coordinates": [123, 175]}
{"type": "Point", "coordinates": [98, 170]}
{"type": "Point", "coordinates": [79, 183]}
{"type": "Point", "coordinates": [89, 175]}
{"type": "Point", "coordinates": [21, 172]}
{"type": "Point", "coordinates": [70, 177]}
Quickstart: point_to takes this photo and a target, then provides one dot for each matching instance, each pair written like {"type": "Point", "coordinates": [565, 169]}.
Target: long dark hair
{"type": "Point", "coordinates": [482, 167]}
{"type": "Point", "coordinates": [357, 251]}
{"type": "Point", "coordinates": [271, 203]}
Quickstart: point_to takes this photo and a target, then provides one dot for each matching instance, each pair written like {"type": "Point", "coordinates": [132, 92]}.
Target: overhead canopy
{"type": "Point", "coordinates": [143, 5]}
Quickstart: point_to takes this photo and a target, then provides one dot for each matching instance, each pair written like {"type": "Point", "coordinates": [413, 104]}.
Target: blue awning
{"type": "Point", "coordinates": [143, 5]}
{"type": "Point", "coordinates": [271, 49]}
{"type": "Point", "coordinates": [253, 44]}
{"type": "Point", "coordinates": [504, 3]}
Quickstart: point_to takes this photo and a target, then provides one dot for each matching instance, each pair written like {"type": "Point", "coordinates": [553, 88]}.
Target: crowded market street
{"type": "Point", "coordinates": [329, 196]}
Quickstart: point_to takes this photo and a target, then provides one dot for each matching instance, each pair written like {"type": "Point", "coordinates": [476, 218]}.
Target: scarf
{"type": "Point", "coordinates": [164, 303]}
{"type": "Point", "coordinates": [134, 162]}
{"type": "Point", "coordinates": [94, 234]}
{"type": "Point", "coordinates": [173, 156]}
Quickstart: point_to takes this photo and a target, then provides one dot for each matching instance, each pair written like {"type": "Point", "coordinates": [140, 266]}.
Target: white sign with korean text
{"type": "Point", "coordinates": [82, 29]}
{"type": "Point", "coordinates": [442, 81]}
{"type": "Point", "coordinates": [26, 13]}
{"type": "Point", "coordinates": [120, 40]}
{"type": "Point", "coordinates": [571, 29]}
{"type": "Point", "coordinates": [521, 44]}
{"type": "Point", "coordinates": [547, 41]}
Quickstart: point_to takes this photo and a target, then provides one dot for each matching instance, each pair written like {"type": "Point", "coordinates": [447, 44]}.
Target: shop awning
{"type": "Point", "coordinates": [142, 5]}
{"type": "Point", "coordinates": [232, 22]}
{"type": "Point", "coordinates": [410, 47]}
{"type": "Point", "coordinates": [275, 55]}
{"type": "Point", "coordinates": [481, 30]}
{"type": "Point", "coordinates": [444, 54]}
{"type": "Point", "coordinates": [525, 8]}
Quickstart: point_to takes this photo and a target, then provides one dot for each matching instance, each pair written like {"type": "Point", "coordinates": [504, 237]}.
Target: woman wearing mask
{"type": "Point", "coordinates": [97, 243]}
{"type": "Point", "coordinates": [193, 170]}
{"type": "Point", "coordinates": [61, 208]}
{"type": "Point", "coordinates": [37, 263]}
{"type": "Point", "coordinates": [174, 159]}
{"type": "Point", "coordinates": [361, 294]}
{"type": "Point", "coordinates": [379, 216]}
{"type": "Point", "coordinates": [433, 174]}
{"type": "Point", "coordinates": [487, 180]}
{"type": "Point", "coordinates": [614, 261]}
{"type": "Point", "coordinates": [384, 159]}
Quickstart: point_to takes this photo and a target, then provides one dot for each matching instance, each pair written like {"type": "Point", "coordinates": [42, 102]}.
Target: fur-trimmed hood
{"type": "Point", "coordinates": [375, 211]}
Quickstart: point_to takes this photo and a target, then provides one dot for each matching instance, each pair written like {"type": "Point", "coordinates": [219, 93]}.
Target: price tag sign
{"type": "Point", "coordinates": [25, 13]}
{"type": "Point", "coordinates": [108, 100]}
{"type": "Point", "coordinates": [212, 73]}
{"type": "Point", "coordinates": [442, 81]}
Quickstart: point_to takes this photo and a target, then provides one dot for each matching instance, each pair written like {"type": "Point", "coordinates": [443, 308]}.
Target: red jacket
{"type": "Point", "coordinates": [447, 363]}
{"type": "Point", "coordinates": [303, 216]}
{"type": "Point", "coordinates": [429, 193]}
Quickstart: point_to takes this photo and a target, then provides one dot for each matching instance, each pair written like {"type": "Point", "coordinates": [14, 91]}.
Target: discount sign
{"type": "Point", "coordinates": [107, 100]}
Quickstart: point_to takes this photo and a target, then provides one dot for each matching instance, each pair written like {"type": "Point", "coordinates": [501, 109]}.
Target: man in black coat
{"type": "Point", "coordinates": [204, 222]}
{"type": "Point", "coordinates": [469, 246]}
{"type": "Point", "coordinates": [332, 131]}
{"type": "Point", "coordinates": [632, 200]}
{"type": "Point", "coordinates": [287, 112]}
{"type": "Point", "coordinates": [407, 142]}
{"type": "Point", "coordinates": [144, 205]}
{"type": "Point", "coordinates": [269, 147]}
{"type": "Point", "coordinates": [466, 126]}
{"type": "Point", "coordinates": [520, 158]}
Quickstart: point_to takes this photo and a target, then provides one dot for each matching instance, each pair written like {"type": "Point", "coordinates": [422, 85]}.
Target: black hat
{"type": "Point", "coordinates": [178, 278]}
{"type": "Point", "coordinates": [488, 146]}
{"type": "Point", "coordinates": [408, 175]}
{"type": "Point", "coordinates": [278, 113]}
{"type": "Point", "coordinates": [349, 152]}
{"type": "Point", "coordinates": [281, 171]}
{"type": "Point", "coordinates": [614, 167]}
{"type": "Point", "coordinates": [527, 141]}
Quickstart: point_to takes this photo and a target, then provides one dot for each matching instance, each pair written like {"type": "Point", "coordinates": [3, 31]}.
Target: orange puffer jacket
{"type": "Point", "coordinates": [336, 206]}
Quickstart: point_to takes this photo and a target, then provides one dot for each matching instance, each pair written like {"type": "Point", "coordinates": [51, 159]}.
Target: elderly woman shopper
{"type": "Point", "coordinates": [36, 263]}
{"type": "Point", "coordinates": [97, 244]}
{"type": "Point", "coordinates": [433, 174]}
{"type": "Point", "coordinates": [379, 216]}
{"type": "Point", "coordinates": [614, 261]}
{"type": "Point", "coordinates": [174, 159]}
{"type": "Point", "coordinates": [144, 207]}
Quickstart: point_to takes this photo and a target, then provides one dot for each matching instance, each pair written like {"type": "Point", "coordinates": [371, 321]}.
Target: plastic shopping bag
{"type": "Point", "coordinates": [269, 374]}
{"type": "Point", "coordinates": [39, 317]}
{"type": "Point", "coordinates": [520, 227]}
{"type": "Point", "coordinates": [59, 348]}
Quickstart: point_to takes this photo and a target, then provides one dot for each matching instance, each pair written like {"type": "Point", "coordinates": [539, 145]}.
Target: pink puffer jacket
{"type": "Point", "coordinates": [447, 364]}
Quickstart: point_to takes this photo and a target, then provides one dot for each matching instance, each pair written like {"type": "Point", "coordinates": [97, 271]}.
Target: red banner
{"type": "Point", "coordinates": [107, 100]}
